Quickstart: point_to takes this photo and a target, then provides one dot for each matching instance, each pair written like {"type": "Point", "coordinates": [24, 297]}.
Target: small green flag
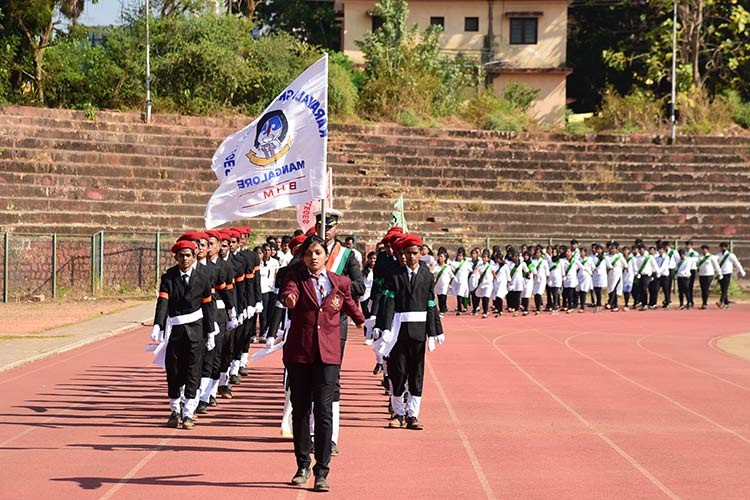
{"type": "Point", "coordinates": [398, 218]}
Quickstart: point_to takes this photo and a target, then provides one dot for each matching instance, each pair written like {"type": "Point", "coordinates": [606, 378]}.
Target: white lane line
{"type": "Point", "coordinates": [138, 466]}
{"type": "Point", "coordinates": [655, 392]}
{"type": "Point", "coordinates": [481, 476]}
{"type": "Point", "coordinates": [632, 461]}
{"type": "Point", "coordinates": [685, 365]}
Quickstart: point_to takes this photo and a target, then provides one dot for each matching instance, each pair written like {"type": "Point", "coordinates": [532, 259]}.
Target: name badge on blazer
{"type": "Point", "coordinates": [336, 302]}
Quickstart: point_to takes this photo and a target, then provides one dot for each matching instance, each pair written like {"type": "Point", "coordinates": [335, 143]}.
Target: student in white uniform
{"type": "Point", "coordinates": [615, 268]}
{"type": "Point", "coordinates": [627, 276]}
{"type": "Point", "coordinates": [585, 278]}
{"type": "Point", "coordinates": [475, 260]}
{"type": "Point", "coordinates": [684, 267]}
{"type": "Point", "coordinates": [692, 253]}
{"type": "Point", "coordinates": [600, 275]}
{"type": "Point", "coordinates": [443, 276]}
{"type": "Point", "coordinates": [671, 254]}
{"type": "Point", "coordinates": [663, 261]}
{"type": "Point", "coordinates": [500, 283]}
{"type": "Point", "coordinates": [540, 272]}
{"type": "Point", "coordinates": [653, 286]}
{"type": "Point", "coordinates": [708, 266]}
{"type": "Point", "coordinates": [485, 278]}
{"type": "Point", "coordinates": [555, 282]}
{"type": "Point", "coordinates": [528, 284]}
{"type": "Point", "coordinates": [570, 267]}
{"type": "Point", "coordinates": [727, 262]}
{"type": "Point", "coordinates": [461, 268]}
{"type": "Point", "coordinates": [515, 286]}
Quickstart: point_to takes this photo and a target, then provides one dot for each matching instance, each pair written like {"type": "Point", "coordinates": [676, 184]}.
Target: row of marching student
{"type": "Point", "coordinates": [211, 302]}
{"type": "Point", "coordinates": [570, 278]}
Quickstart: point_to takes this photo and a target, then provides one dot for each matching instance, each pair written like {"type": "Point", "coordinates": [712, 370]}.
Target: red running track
{"type": "Point", "coordinates": [627, 405]}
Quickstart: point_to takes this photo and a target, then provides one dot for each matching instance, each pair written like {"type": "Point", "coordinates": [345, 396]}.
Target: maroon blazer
{"type": "Point", "coordinates": [315, 328]}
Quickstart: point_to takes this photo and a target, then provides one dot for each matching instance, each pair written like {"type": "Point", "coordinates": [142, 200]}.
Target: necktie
{"type": "Point", "coordinates": [185, 280]}
{"type": "Point", "coordinates": [320, 287]}
{"type": "Point", "coordinates": [412, 278]}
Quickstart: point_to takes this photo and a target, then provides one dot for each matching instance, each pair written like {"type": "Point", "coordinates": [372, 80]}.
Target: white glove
{"type": "Point", "coordinates": [370, 323]}
{"type": "Point", "coordinates": [156, 334]}
{"type": "Point", "coordinates": [211, 342]}
{"type": "Point", "coordinates": [376, 333]}
{"type": "Point", "coordinates": [387, 336]}
{"type": "Point", "coordinates": [368, 335]}
{"type": "Point", "coordinates": [430, 344]}
{"type": "Point", "coordinates": [232, 324]}
{"type": "Point", "coordinates": [249, 312]}
{"type": "Point", "coordinates": [232, 314]}
{"type": "Point", "coordinates": [259, 307]}
{"type": "Point", "coordinates": [441, 339]}
{"type": "Point", "coordinates": [270, 341]}
{"type": "Point", "coordinates": [280, 335]}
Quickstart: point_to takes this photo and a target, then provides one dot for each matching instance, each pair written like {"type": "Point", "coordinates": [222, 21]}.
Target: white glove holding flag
{"type": "Point", "coordinates": [249, 312]}
{"type": "Point", "coordinates": [441, 339]}
{"type": "Point", "coordinates": [270, 341]}
{"type": "Point", "coordinates": [430, 344]}
{"type": "Point", "coordinates": [370, 323]}
{"type": "Point", "coordinates": [232, 324]}
{"type": "Point", "coordinates": [259, 307]}
{"type": "Point", "coordinates": [156, 334]}
{"type": "Point", "coordinates": [211, 342]}
{"type": "Point", "coordinates": [376, 333]}
{"type": "Point", "coordinates": [387, 336]}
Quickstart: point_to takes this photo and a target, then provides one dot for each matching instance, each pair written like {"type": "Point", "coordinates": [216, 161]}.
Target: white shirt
{"type": "Point", "coordinates": [708, 266]}
{"type": "Point", "coordinates": [411, 272]}
{"type": "Point", "coordinates": [268, 271]}
{"type": "Point", "coordinates": [684, 267]}
{"type": "Point", "coordinates": [729, 263]}
{"type": "Point", "coordinates": [322, 279]}
{"type": "Point", "coordinates": [188, 273]}
{"type": "Point", "coordinates": [284, 258]}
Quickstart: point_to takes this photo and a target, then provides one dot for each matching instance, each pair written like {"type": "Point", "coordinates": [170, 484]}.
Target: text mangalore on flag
{"type": "Point", "coordinates": [279, 160]}
{"type": "Point", "coordinates": [398, 218]}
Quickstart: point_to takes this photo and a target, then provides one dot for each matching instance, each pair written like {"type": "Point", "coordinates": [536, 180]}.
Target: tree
{"type": "Point", "coordinates": [312, 22]}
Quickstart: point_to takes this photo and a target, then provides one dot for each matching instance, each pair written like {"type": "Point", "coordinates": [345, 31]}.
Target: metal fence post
{"type": "Point", "coordinates": [6, 272]}
{"type": "Point", "coordinates": [93, 264]}
{"type": "Point", "coordinates": [158, 258]}
{"type": "Point", "coordinates": [54, 265]}
{"type": "Point", "coordinates": [101, 260]}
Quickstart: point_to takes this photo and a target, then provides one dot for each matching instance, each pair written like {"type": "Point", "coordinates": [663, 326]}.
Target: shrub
{"type": "Point", "coordinates": [519, 95]}
{"type": "Point", "coordinates": [408, 118]}
{"type": "Point", "coordinates": [700, 114]}
{"type": "Point", "coordinates": [343, 95]}
{"type": "Point", "coordinates": [487, 111]}
{"type": "Point", "coordinates": [740, 110]}
{"type": "Point", "coordinates": [638, 111]}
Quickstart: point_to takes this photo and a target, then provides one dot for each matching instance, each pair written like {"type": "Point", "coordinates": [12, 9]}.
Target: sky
{"type": "Point", "coordinates": [104, 12]}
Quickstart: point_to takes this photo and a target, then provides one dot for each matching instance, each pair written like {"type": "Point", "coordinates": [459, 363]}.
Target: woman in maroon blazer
{"type": "Point", "coordinates": [312, 353]}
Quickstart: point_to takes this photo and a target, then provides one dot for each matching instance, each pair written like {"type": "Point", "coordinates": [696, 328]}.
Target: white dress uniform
{"type": "Point", "coordinates": [516, 276]}
{"type": "Point", "coordinates": [461, 270]}
{"type": "Point", "coordinates": [528, 281]}
{"type": "Point", "coordinates": [628, 274]}
{"type": "Point", "coordinates": [600, 271]}
{"type": "Point", "coordinates": [541, 274]}
{"type": "Point", "coordinates": [443, 276]}
{"type": "Point", "coordinates": [708, 265]}
{"type": "Point", "coordinates": [485, 279]}
{"type": "Point", "coordinates": [555, 274]}
{"type": "Point", "coordinates": [585, 274]}
{"type": "Point", "coordinates": [570, 272]}
{"type": "Point", "coordinates": [684, 267]}
{"type": "Point", "coordinates": [615, 268]}
{"type": "Point", "coordinates": [474, 277]}
{"type": "Point", "coordinates": [500, 283]}
{"type": "Point", "coordinates": [727, 262]}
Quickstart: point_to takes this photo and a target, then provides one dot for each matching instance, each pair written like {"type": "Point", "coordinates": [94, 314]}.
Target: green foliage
{"type": "Point", "coordinates": [312, 22]}
{"type": "Point", "coordinates": [408, 118]}
{"type": "Point", "coordinates": [740, 110]}
{"type": "Point", "coordinates": [519, 95]}
{"type": "Point", "coordinates": [490, 112]}
{"type": "Point", "coordinates": [701, 114]}
{"type": "Point", "coordinates": [638, 111]}
{"type": "Point", "coordinates": [342, 93]}
{"type": "Point", "coordinates": [404, 68]}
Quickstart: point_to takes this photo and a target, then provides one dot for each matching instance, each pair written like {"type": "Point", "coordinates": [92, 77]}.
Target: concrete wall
{"type": "Point", "coordinates": [549, 106]}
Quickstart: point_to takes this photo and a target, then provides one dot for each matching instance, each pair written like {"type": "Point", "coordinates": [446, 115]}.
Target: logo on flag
{"type": "Point", "coordinates": [398, 218]}
{"type": "Point", "coordinates": [279, 160]}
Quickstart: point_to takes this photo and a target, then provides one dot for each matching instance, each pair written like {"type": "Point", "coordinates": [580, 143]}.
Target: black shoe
{"type": "Point", "coordinates": [378, 368]}
{"type": "Point", "coordinates": [301, 477]}
{"type": "Point", "coordinates": [334, 450]}
{"type": "Point", "coordinates": [243, 371]}
{"type": "Point", "coordinates": [202, 408]}
{"type": "Point", "coordinates": [225, 391]}
{"type": "Point", "coordinates": [321, 484]}
{"type": "Point", "coordinates": [174, 420]}
{"type": "Point", "coordinates": [188, 423]}
{"type": "Point", "coordinates": [234, 380]}
{"type": "Point", "coordinates": [212, 401]}
{"type": "Point", "coordinates": [414, 424]}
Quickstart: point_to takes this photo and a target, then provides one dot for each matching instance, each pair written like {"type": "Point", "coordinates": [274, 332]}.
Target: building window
{"type": "Point", "coordinates": [437, 21]}
{"type": "Point", "coordinates": [377, 22]}
{"type": "Point", "coordinates": [523, 31]}
{"type": "Point", "coordinates": [471, 24]}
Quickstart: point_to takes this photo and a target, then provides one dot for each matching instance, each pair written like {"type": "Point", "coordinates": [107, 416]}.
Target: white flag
{"type": "Point", "coordinates": [279, 160]}
{"type": "Point", "coordinates": [306, 212]}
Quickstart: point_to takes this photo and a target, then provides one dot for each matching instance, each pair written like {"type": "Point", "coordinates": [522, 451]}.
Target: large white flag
{"type": "Point", "coordinates": [279, 160]}
{"type": "Point", "coordinates": [306, 212]}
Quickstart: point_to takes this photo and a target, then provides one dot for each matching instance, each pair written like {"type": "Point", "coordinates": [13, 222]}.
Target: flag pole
{"type": "Point", "coordinates": [323, 218]}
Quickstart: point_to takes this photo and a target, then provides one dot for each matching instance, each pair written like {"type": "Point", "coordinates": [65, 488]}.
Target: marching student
{"type": "Point", "coordinates": [500, 283]}
{"type": "Point", "coordinates": [516, 281]}
{"type": "Point", "coordinates": [585, 278]}
{"type": "Point", "coordinates": [460, 268]}
{"type": "Point", "coordinates": [364, 300]}
{"type": "Point", "coordinates": [642, 269]}
{"type": "Point", "coordinates": [443, 277]}
{"type": "Point", "coordinates": [229, 366]}
{"type": "Point", "coordinates": [693, 254]}
{"type": "Point", "coordinates": [528, 283]}
{"type": "Point", "coordinates": [615, 268]}
{"type": "Point", "coordinates": [600, 275]}
{"type": "Point", "coordinates": [268, 269]}
{"type": "Point", "coordinates": [628, 275]}
{"type": "Point", "coordinates": [708, 266]}
{"type": "Point", "coordinates": [555, 282]}
{"type": "Point", "coordinates": [727, 262]}
{"type": "Point", "coordinates": [671, 255]}
{"type": "Point", "coordinates": [485, 280]}
{"type": "Point", "coordinates": [410, 326]}
{"type": "Point", "coordinates": [570, 267]}
{"type": "Point", "coordinates": [663, 272]}
{"type": "Point", "coordinates": [684, 268]}
{"type": "Point", "coordinates": [473, 276]}
{"type": "Point", "coordinates": [182, 322]}
{"type": "Point", "coordinates": [312, 354]}
{"type": "Point", "coordinates": [540, 271]}
{"type": "Point", "coordinates": [653, 286]}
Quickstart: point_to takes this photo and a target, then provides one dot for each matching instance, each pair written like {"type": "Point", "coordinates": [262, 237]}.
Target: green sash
{"type": "Point", "coordinates": [481, 276]}
{"type": "Point", "coordinates": [457, 269]}
{"type": "Point", "coordinates": [513, 271]}
{"type": "Point", "coordinates": [616, 259]}
{"type": "Point", "coordinates": [440, 273]}
{"type": "Point", "coordinates": [724, 259]}
{"type": "Point", "coordinates": [704, 259]}
{"type": "Point", "coordinates": [643, 265]}
{"type": "Point", "coordinates": [569, 267]}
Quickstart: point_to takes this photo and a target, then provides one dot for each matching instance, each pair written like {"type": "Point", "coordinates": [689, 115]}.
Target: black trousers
{"type": "Point", "coordinates": [525, 304]}
{"type": "Point", "coordinates": [184, 359]}
{"type": "Point", "coordinates": [705, 282]}
{"type": "Point", "coordinates": [485, 304]}
{"type": "Point", "coordinates": [691, 286]}
{"type": "Point", "coordinates": [498, 304]}
{"type": "Point", "coordinates": [581, 301]}
{"type": "Point", "coordinates": [653, 291]}
{"type": "Point", "coordinates": [308, 385]}
{"type": "Point", "coordinates": [665, 284]}
{"type": "Point", "coordinates": [461, 303]}
{"type": "Point", "coordinates": [212, 358]}
{"type": "Point", "coordinates": [474, 302]}
{"type": "Point", "coordinates": [613, 297]}
{"type": "Point", "coordinates": [538, 301]}
{"type": "Point", "coordinates": [724, 284]}
{"type": "Point", "coordinates": [569, 297]}
{"type": "Point", "coordinates": [406, 363]}
{"type": "Point", "coordinates": [598, 295]}
{"type": "Point", "coordinates": [682, 289]}
{"type": "Point", "coordinates": [549, 299]}
{"type": "Point", "coordinates": [443, 303]}
{"type": "Point", "coordinates": [514, 300]}
{"type": "Point", "coordinates": [268, 300]}
{"type": "Point", "coordinates": [554, 299]}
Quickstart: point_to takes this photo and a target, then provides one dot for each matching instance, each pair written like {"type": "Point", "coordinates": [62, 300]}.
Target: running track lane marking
{"type": "Point", "coordinates": [464, 439]}
{"type": "Point", "coordinates": [654, 391]}
{"type": "Point", "coordinates": [712, 344]}
{"type": "Point", "coordinates": [53, 417]}
{"type": "Point", "coordinates": [585, 422]}
{"type": "Point", "coordinates": [685, 365]}
{"type": "Point", "coordinates": [138, 466]}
